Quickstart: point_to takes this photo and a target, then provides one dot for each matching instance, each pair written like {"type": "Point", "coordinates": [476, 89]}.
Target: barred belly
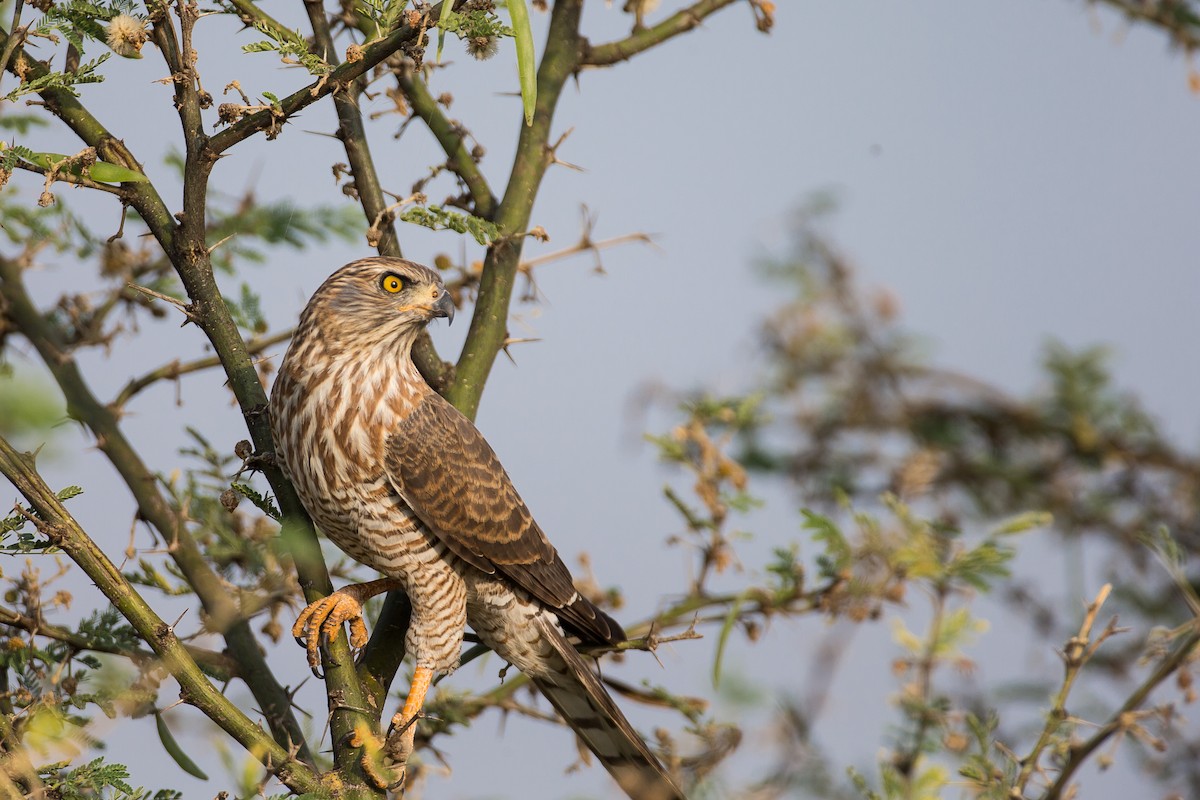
{"type": "Point", "coordinates": [382, 533]}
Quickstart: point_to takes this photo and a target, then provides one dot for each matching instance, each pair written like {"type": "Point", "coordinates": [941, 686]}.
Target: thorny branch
{"type": "Point", "coordinates": [54, 522]}
{"type": "Point", "coordinates": [182, 238]}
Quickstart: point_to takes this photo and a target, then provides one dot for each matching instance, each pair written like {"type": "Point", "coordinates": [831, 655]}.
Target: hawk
{"type": "Point", "coordinates": [402, 482]}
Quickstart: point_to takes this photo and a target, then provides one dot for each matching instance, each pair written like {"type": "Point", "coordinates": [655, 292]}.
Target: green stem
{"type": "Point", "coordinates": [152, 506]}
{"type": "Point", "coordinates": [488, 330]}
{"type": "Point", "coordinates": [65, 533]}
{"type": "Point", "coordinates": [682, 21]}
{"type": "Point", "coordinates": [452, 140]}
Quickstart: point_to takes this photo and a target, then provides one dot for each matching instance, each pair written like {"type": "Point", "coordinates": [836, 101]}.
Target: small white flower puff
{"type": "Point", "coordinates": [126, 35]}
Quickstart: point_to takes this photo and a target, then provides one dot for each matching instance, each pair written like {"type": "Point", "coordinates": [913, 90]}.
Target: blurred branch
{"type": "Point", "coordinates": [1179, 19]}
{"type": "Point", "coordinates": [54, 522]}
{"type": "Point", "coordinates": [1125, 717]}
{"type": "Point", "coordinates": [1078, 651]}
{"type": "Point", "coordinates": [217, 665]}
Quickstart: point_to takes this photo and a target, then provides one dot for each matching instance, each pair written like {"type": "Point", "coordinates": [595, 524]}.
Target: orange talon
{"type": "Point", "coordinates": [322, 619]}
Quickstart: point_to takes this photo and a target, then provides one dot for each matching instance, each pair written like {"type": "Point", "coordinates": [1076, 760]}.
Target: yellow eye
{"type": "Point", "coordinates": [392, 283]}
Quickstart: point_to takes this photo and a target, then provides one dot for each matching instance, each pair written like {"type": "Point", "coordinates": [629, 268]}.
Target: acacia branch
{"type": "Point", "coordinates": [176, 368]}
{"type": "Point", "coordinates": [60, 527]}
{"type": "Point", "coordinates": [682, 21]}
{"type": "Point", "coordinates": [453, 142]}
{"type": "Point", "coordinates": [1078, 754]}
{"type": "Point", "coordinates": [102, 420]}
{"type": "Point", "coordinates": [353, 136]}
{"type": "Point", "coordinates": [488, 330]}
{"type": "Point", "coordinates": [339, 77]}
{"type": "Point", "coordinates": [217, 665]}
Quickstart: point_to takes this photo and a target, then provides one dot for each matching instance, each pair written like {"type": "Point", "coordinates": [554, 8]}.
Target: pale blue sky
{"type": "Point", "coordinates": [1011, 171]}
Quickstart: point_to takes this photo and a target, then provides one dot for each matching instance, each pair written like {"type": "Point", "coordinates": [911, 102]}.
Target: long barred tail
{"type": "Point", "coordinates": [587, 707]}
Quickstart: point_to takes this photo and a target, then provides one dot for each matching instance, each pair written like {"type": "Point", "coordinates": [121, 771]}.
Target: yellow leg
{"type": "Point", "coordinates": [404, 724]}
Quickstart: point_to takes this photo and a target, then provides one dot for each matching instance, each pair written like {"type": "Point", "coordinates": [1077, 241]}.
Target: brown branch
{"type": "Point", "coordinates": [682, 21]}
{"type": "Point", "coordinates": [54, 522]}
{"type": "Point", "coordinates": [341, 76]}
{"type": "Point", "coordinates": [177, 368]}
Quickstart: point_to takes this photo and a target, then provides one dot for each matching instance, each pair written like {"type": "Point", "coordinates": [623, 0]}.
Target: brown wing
{"type": "Point", "coordinates": [441, 465]}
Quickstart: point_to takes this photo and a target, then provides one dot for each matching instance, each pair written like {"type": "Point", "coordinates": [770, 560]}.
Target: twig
{"type": "Point", "coordinates": [1118, 721]}
{"type": "Point", "coordinates": [182, 305]}
{"type": "Point", "coordinates": [584, 245]}
{"type": "Point", "coordinates": [218, 665]}
{"type": "Point", "coordinates": [1079, 649]}
{"type": "Point", "coordinates": [176, 368]}
{"type": "Point", "coordinates": [682, 21]}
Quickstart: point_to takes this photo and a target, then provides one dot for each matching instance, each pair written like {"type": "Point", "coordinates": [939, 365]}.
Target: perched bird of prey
{"type": "Point", "coordinates": [404, 483]}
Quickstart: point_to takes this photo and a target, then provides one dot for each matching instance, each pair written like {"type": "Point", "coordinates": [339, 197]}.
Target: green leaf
{"type": "Point", "coordinates": [526, 65]}
{"type": "Point", "coordinates": [85, 73]}
{"type": "Point", "coordinates": [731, 619]}
{"type": "Point", "coordinates": [175, 751]}
{"type": "Point", "coordinates": [838, 553]}
{"type": "Point", "coordinates": [100, 171]}
{"type": "Point", "coordinates": [437, 218]}
{"type": "Point", "coordinates": [443, 19]}
{"type": "Point", "coordinates": [263, 503]}
{"type": "Point", "coordinates": [1024, 522]}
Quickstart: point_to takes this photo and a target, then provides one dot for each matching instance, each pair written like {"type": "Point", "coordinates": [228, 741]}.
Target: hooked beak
{"type": "Point", "coordinates": [444, 307]}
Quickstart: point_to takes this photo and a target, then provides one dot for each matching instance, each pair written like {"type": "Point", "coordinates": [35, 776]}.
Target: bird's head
{"type": "Point", "coordinates": [377, 299]}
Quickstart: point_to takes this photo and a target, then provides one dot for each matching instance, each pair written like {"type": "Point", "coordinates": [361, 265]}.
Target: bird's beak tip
{"type": "Point", "coordinates": [444, 307]}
